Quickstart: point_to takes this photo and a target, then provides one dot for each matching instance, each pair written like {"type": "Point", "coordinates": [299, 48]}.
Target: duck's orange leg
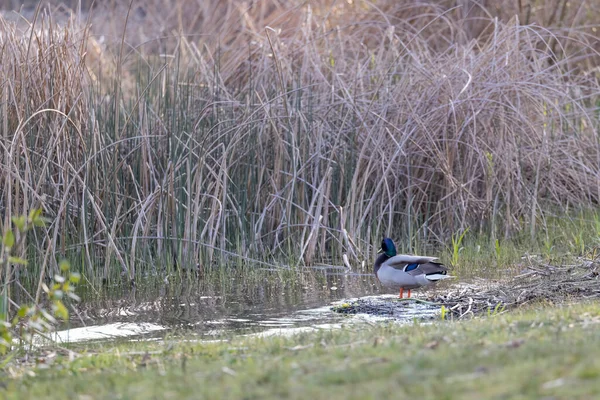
{"type": "Point", "coordinates": [409, 293]}
{"type": "Point", "coordinates": [401, 295]}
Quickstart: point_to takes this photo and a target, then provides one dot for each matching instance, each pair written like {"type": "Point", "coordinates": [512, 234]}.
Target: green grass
{"type": "Point", "coordinates": [541, 352]}
{"type": "Point", "coordinates": [560, 239]}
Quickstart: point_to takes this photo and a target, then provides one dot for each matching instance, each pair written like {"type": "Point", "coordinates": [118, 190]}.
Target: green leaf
{"type": "Point", "coordinates": [7, 359]}
{"type": "Point", "coordinates": [60, 310]}
{"type": "Point", "coordinates": [20, 222]}
{"type": "Point", "coordinates": [35, 217]}
{"type": "Point", "coordinates": [7, 336]}
{"type": "Point", "coordinates": [75, 277]}
{"type": "Point", "coordinates": [17, 260]}
{"type": "Point", "coordinates": [22, 311]}
{"type": "Point", "coordinates": [64, 265]}
{"type": "Point", "coordinates": [35, 214]}
{"type": "Point", "coordinates": [9, 239]}
{"type": "Point", "coordinates": [40, 222]}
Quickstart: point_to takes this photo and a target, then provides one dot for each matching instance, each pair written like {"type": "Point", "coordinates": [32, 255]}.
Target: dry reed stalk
{"type": "Point", "coordinates": [418, 120]}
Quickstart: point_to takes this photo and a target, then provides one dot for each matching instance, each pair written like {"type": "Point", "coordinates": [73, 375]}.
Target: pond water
{"type": "Point", "coordinates": [264, 304]}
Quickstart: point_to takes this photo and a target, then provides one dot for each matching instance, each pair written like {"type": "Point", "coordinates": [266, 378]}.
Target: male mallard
{"type": "Point", "coordinates": [406, 272]}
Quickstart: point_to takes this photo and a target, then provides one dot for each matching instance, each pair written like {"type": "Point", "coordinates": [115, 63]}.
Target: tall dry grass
{"type": "Point", "coordinates": [189, 134]}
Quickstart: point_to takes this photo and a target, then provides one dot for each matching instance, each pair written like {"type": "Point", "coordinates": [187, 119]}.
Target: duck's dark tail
{"type": "Point", "coordinates": [435, 271]}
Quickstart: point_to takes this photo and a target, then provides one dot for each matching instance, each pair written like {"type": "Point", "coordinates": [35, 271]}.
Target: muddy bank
{"type": "Point", "coordinates": [539, 281]}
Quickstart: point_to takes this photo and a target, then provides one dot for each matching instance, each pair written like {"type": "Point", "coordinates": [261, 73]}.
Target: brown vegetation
{"type": "Point", "coordinates": [540, 282]}
{"type": "Point", "coordinates": [274, 128]}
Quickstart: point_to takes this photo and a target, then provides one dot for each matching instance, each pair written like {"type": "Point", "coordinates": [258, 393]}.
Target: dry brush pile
{"type": "Point", "coordinates": [271, 130]}
{"type": "Point", "coordinates": [539, 282]}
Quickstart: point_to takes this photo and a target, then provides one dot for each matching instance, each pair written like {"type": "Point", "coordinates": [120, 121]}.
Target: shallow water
{"type": "Point", "coordinates": [230, 306]}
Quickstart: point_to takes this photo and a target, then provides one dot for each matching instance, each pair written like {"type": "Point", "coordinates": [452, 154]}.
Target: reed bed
{"type": "Point", "coordinates": [286, 133]}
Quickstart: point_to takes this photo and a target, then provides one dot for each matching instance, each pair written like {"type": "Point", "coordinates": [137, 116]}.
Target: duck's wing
{"type": "Point", "coordinates": [402, 260]}
{"type": "Point", "coordinates": [428, 268]}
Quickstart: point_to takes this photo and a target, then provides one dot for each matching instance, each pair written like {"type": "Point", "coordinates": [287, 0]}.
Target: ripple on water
{"type": "Point", "coordinates": [106, 332]}
{"type": "Point", "coordinates": [367, 309]}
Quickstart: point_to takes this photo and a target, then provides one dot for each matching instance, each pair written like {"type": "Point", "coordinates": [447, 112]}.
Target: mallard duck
{"type": "Point", "coordinates": [404, 271]}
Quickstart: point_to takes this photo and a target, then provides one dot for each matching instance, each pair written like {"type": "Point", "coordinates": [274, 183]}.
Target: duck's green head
{"type": "Point", "coordinates": [388, 247]}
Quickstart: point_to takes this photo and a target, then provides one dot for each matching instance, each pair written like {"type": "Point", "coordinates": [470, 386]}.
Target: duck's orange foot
{"type": "Point", "coordinates": [409, 293]}
{"type": "Point", "coordinates": [401, 295]}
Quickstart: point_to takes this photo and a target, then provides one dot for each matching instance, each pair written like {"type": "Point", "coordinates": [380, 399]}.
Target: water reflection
{"type": "Point", "coordinates": [228, 305]}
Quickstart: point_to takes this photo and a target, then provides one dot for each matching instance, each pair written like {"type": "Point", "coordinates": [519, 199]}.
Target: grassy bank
{"type": "Point", "coordinates": [542, 351]}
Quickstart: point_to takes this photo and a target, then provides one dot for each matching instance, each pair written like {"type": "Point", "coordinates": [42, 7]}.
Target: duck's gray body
{"type": "Point", "coordinates": [391, 271]}
{"type": "Point", "coordinates": [401, 271]}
